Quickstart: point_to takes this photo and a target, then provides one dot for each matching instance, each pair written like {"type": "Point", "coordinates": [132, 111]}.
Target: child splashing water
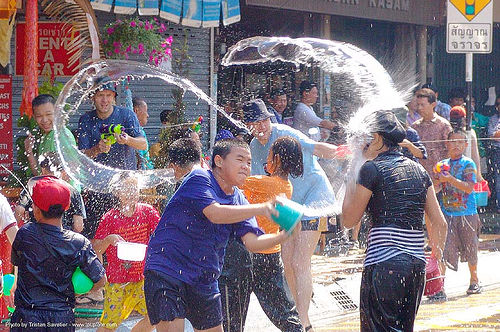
{"type": "Point", "coordinates": [266, 278]}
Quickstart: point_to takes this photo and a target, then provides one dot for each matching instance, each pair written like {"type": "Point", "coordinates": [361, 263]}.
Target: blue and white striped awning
{"type": "Point", "coordinates": [193, 13]}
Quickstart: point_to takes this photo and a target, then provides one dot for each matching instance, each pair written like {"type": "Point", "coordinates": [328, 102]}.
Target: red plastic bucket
{"type": "Point", "coordinates": [434, 281]}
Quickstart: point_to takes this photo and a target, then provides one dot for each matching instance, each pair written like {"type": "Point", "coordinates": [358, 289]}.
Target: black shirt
{"type": "Point", "coordinates": [44, 281]}
{"type": "Point", "coordinates": [399, 187]}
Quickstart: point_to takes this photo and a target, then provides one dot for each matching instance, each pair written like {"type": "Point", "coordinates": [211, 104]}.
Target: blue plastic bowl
{"type": "Point", "coordinates": [481, 198]}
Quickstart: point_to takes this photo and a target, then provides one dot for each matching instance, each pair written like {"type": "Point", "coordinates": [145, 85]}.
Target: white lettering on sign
{"type": "Point", "coordinates": [4, 156]}
{"type": "Point", "coordinates": [3, 146]}
{"type": "Point", "coordinates": [51, 69]}
{"type": "Point", "coordinates": [50, 43]}
{"type": "Point", "coordinates": [402, 5]}
{"type": "Point", "coordinates": [5, 95]}
{"type": "Point", "coordinates": [4, 116]}
{"type": "Point", "coordinates": [49, 57]}
{"type": "Point", "coordinates": [4, 106]}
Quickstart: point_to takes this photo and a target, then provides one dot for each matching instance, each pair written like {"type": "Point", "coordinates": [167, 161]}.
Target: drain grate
{"type": "Point", "coordinates": [344, 300]}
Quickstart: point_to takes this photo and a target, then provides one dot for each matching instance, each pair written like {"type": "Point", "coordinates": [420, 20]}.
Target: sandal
{"type": "Point", "coordinates": [308, 328]}
{"type": "Point", "coordinates": [87, 300]}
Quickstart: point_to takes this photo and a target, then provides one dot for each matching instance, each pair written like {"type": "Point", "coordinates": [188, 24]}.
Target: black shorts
{"type": "Point", "coordinates": [34, 320]}
{"type": "Point", "coordinates": [168, 298]}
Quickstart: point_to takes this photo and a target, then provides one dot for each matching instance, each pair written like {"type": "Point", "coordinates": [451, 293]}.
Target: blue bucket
{"type": "Point", "coordinates": [290, 213]}
{"type": "Point", "coordinates": [481, 198]}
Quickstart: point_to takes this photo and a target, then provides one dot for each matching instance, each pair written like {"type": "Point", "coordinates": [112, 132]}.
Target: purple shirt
{"type": "Point", "coordinates": [186, 245]}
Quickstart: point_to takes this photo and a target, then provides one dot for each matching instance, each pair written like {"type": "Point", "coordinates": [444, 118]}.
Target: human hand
{"type": "Point", "coordinates": [29, 143]}
{"type": "Point", "coordinates": [113, 239]}
{"type": "Point", "coordinates": [103, 146]}
{"type": "Point", "coordinates": [405, 143]}
{"type": "Point", "coordinates": [122, 138]}
{"type": "Point", "coordinates": [445, 176]}
{"type": "Point", "coordinates": [268, 209]}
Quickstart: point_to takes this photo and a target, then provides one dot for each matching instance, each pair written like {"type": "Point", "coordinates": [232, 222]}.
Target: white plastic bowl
{"type": "Point", "coordinates": [130, 251]}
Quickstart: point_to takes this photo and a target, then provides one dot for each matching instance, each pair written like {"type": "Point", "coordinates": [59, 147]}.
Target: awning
{"type": "Point", "coordinates": [193, 13]}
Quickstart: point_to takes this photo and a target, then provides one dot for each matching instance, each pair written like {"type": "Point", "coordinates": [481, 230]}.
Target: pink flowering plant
{"type": "Point", "coordinates": [133, 36]}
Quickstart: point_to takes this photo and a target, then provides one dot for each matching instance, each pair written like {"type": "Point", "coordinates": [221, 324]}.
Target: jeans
{"type": "Point", "coordinates": [390, 294]}
{"type": "Point", "coordinates": [269, 285]}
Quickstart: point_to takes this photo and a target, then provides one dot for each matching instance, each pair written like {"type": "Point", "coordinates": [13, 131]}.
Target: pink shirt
{"type": "Point", "coordinates": [433, 135]}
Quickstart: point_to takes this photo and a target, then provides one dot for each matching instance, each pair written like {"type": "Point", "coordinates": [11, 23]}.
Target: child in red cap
{"type": "Point", "coordinates": [46, 256]}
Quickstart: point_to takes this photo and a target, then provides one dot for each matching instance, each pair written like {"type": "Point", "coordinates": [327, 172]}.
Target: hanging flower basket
{"type": "Point", "coordinates": [133, 36]}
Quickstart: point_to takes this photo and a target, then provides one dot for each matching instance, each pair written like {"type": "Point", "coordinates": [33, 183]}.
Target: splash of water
{"type": "Point", "coordinates": [363, 81]}
{"type": "Point", "coordinates": [79, 88]}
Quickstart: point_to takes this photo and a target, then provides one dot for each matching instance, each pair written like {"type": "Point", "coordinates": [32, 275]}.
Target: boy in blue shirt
{"type": "Point", "coordinates": [186, 251]}
{"type": "Point", "coordinates": [459, 208]}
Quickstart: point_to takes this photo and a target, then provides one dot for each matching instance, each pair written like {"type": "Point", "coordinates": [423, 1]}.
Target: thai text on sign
{"type": "Point", "coordinates": [53, 55]}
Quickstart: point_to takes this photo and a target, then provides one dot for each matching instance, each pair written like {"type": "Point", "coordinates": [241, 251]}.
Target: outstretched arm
{"type": "Point", "coordinates": [231, 214]}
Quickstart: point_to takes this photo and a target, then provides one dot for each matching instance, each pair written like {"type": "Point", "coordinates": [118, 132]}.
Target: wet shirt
{"type": "Point", "coordinates": [44, 281]}
{"type": "Point", "coordinates": [137, 229]}
{"type": "Point", "coordinates": [433, 134]}
{"type": "Point", "coordinates": [399, 192]}
{"type": "Point", "coordinates": [304, 118]}
{"type": "Point", "coordinates": [76, 207]}
{"type": "Point", "coordinates": [453, 201]}
{"type": "Point", "coordinates": [89, 134]}
{"type": "Point", "coordinates": [144, 159]}
{"type": "Point", "coordinates": [313, 188]}
{"type": "Point", "coordinates": [186, 245]}
{"type": "Point", "coordinates": [260, 189]}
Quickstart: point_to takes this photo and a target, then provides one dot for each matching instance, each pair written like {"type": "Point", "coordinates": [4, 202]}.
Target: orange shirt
{"type": "Point", "coordinates": [260, 189]}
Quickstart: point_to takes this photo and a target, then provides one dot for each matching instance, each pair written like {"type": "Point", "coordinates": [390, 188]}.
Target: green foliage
{"type": "Point", "coordinates": [134, 36]}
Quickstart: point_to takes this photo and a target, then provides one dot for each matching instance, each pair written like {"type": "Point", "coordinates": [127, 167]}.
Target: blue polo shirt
{"type": "Point", "coordinates": [186, 245]}
{"type": "Point", "coordinates": [311, 189]}
{"type": "Point", "coordinates": [89, 134]}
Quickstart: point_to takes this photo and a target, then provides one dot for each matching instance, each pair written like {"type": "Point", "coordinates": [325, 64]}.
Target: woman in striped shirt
{"type": "Point", "coordinates": [395, 191]}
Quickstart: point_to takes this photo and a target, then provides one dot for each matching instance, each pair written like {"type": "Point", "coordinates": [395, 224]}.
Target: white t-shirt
{"type": "Point", "coordinates": [6, 215]}
{"type": "Point", "coordinates": [304, 118]}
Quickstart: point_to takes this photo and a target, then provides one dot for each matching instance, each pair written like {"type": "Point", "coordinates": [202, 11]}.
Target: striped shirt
{"type": "Point", "coordinates": [387, 242]}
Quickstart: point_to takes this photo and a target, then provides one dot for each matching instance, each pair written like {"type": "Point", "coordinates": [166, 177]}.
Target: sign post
{"type": "Point", "coordinates": [469, 30]}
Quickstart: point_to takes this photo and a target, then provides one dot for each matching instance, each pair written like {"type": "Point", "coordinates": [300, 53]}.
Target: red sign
{"type": "Point", "coordinates": [53, 55]}
{"type": "Point", "coordinates": [6, 150]}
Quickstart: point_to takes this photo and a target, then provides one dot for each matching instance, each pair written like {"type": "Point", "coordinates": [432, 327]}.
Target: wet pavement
{"type": "Point", "coordinates": [336, 297]}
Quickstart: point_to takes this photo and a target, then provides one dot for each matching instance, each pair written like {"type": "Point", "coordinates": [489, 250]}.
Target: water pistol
{"type": "Point", "coordinates": [441, 167]}
{"type": "Point", "coordinates": [196, 126]}
{"type": "Point", "coordinates": [108, 133]}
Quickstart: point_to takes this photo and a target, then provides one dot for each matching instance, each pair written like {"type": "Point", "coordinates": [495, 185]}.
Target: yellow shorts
{"type": "Point", "coordinates": [119, 302]}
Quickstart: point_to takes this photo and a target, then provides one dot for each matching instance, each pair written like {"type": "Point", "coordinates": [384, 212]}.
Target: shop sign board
{"type": "Point", "coordinates": [6, 150]}
{"type": "Point", "coordinates": [53, 55]}
{"type": "Point", "coordinates": [469, 26]}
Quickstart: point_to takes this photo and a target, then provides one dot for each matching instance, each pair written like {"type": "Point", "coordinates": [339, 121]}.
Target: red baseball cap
{"type": "Point", "coordinates": [457, 112]}
{"type": "Point", "coordinates": [49, 191]}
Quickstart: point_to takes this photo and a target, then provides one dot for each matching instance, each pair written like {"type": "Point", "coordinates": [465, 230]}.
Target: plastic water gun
{"type": "Point", "coordinates": [108, 131]}
{"type": "Point", "coordinates": [196, 126]}
{"type": "Point", "coordinates": [441, 167]}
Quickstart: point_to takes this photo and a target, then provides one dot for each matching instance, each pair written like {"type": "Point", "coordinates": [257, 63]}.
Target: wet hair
{"type": "Point", "coordinates": [223, 147]}
{"type": "Point", "coordinates": [51, 160]}
{"type": "Point", "coordinates": [427, 93]}
{"type": "Point", "coordinates": [277, 92]}
{"type": "Point", "coordinates": [138, 101]}
{"type": "Point", "coordinates": [306, 86]}
{"type": "Point", "coordinates": [290, 152]}
{"type": "Point", "coordinates": [184, 152]}
{"type": "Point", "coordinates": [165, 115]}
{"type": "Point", "coordinates": [457, 131]}
{"type": "Point", "coordinates": [55, 211]}
{"type": "Point", "coordinates": [41, 100]}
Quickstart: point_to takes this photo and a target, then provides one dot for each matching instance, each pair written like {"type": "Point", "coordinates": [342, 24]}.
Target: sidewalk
{"type": "Point", "coordinates": [337, 281]}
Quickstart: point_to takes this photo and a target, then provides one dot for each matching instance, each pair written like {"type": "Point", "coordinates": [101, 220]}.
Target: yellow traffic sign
{"type": "Point", "coordinates": [470, 8]}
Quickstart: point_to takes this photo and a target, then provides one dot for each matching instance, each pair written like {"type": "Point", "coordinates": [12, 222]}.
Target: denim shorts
{"type": "Point", "coordinates": [168, 298]}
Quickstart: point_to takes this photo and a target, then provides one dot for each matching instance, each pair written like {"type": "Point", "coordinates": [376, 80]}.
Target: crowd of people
{"type": "Point", "coordinates": [214, 242]}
